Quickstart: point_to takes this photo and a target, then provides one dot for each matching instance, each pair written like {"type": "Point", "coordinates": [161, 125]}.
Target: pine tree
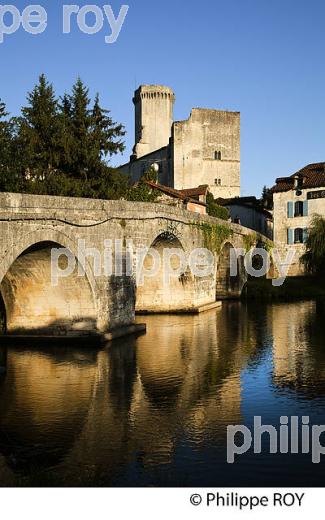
{"type": "Point", "coordinates": [66, 137]}
{"type": "Point", "coordinates": [267, 198]}
{"type": "Point", "coordinates": [4, 133]}
{"type": "Point", "coordinates": [64, 142]}
{"type": "Point", "coordinates": [4, 145]}
{"type": "Point", "coordinates": [89, 135]}
{"type": "Point", "coordinates": [9, 174]}
{"type": "Point", "coordinates": [80, 124]}
{"type": "Point", "coordinates": [105, 135]}
{"type": "Point", "coordinates": [39, 131]}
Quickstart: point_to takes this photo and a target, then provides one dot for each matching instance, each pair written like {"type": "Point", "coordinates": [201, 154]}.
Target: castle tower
{"type": "Point", "coordinates": [154, 106]}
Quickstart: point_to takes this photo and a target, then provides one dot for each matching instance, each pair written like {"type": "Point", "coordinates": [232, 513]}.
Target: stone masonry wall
{"type": "Point", "coordinates": [196, 142]}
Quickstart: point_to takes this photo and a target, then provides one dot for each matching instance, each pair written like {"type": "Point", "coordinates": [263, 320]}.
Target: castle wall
{"type": "Point", "coordinates": [135, 169]}
{"type": "Point", "coordinates": [197, 144]}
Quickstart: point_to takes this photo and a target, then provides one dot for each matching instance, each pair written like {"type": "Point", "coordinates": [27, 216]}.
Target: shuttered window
{"type": "Point", "coordinates": [305, 209]}
{"type": "Point", "coordinates": [290, 236]}
{"type": "Point", "coordinates": [290, 209]}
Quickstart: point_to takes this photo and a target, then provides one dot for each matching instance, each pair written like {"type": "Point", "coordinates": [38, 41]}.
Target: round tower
{"type": "Point", "coordinates": [154, 106]}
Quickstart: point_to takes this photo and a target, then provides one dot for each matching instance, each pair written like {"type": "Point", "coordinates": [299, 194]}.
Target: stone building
{"type": "Point", "coordinates": [250, 212]}
{"type": "Point", "coordinates": [204, 149]}
{"type": "Point", "coordinates": [296, 200]}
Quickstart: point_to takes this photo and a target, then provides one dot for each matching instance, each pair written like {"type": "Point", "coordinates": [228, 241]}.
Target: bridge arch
{"type": "Point", "coordinates": [227, 285]}
{"type": "Point", "coordinates": [160, 292]}
{"type": "Point", "coordinates": [33, 305]}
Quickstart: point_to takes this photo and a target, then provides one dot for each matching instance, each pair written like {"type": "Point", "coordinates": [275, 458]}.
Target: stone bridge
{"type": "Point", "coordinates": [88, 301]}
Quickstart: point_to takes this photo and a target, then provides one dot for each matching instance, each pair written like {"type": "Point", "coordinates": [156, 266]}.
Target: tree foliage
{"type": "Point", "coordinates": [61, 146]}
{"type": "Point", "coordinates": [38, 132]}
{"type": "Point", "coordinates": [10, 179]}
{"type": "Point", "coordinates": [314, 257]}
{"type": "Point", "coordinates": [141, 192]}
{"type": "Point", "coordinates": [267, 198]}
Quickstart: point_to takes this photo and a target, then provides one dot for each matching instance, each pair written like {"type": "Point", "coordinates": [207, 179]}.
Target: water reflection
{"type": "Point", "coordinates": [298, 347]}
{"type": "Point", "coordinates": [154, 410]}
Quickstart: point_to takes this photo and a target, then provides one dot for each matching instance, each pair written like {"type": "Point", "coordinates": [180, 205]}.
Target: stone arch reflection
{"type": "Point", "coordinates": [134, 405]}
{"type": "Point", "coordinates": [44, 401]}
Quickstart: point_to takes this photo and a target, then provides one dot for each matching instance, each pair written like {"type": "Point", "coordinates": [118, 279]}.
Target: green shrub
{"type": "Point", "coordinates": [214, 210]}
{"type": "Point", "coordinates": [314, 258]}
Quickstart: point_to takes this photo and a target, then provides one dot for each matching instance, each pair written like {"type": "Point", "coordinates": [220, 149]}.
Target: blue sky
{"type": "Point", "coordinates": [263, 58]}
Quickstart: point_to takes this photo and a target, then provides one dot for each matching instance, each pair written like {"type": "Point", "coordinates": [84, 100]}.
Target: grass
{"type": "Point", "coordinates": [293, 288]}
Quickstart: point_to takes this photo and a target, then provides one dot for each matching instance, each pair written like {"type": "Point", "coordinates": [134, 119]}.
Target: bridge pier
{"type": "Point", "coordinates": [229, 287]}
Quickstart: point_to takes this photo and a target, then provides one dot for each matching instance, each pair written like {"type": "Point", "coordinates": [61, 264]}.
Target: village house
{"type": "Point", "coordinates": [296, 199]}
{"type": "Point", "coordinates": [251, 213]}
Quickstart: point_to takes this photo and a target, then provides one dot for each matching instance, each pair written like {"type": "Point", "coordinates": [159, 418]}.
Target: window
{"type": "Point", "coordinates": [217, 182]}
{"type": "Point", "coordinates": [299, 209]}
{"type": "Point", "coordinates": [299, 236]}
{"type": "Point", "coordinates": [217, 155]}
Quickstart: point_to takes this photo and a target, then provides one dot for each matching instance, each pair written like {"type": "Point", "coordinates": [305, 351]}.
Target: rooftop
{"type": "Point", "coordinates": [195, 192]}
{"type": "Point", "coordinates": [311, 176]}
{"type": "Point", "coordinates": [248, 202]}
{"type": "Point", "coordinates": [178, 194]}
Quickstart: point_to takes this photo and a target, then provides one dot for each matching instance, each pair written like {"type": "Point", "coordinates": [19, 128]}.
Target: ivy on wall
{"type": "Point", "coordinates": [257, 240]}
{"type": "Point", "coordinates": [214, 235]}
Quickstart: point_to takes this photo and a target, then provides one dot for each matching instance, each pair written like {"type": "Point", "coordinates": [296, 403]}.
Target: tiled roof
{"type": "Point", "coordinates": [172, 192]}
{"type": "Point", "coordinates": [237, 200]}
{"type": "Point", "coordinates": [311, 176]}
{"type": "Point", "coordinates": [194, 192]}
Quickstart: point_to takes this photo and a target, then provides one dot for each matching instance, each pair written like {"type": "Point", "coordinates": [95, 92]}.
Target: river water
{"type": "Point", "coordinates": [154, 410]}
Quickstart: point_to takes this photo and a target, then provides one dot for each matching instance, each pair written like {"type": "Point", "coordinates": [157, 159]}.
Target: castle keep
{"type": "Point", "coordinates": [203, 150]}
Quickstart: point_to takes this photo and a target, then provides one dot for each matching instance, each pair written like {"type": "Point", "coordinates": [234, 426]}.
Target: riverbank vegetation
{"type": "Point", "coordinates": [314, 257]}
{"type": "Point", "coordinates": [293, 288]}
{"type": "Point", "coordinates": [311, 286]}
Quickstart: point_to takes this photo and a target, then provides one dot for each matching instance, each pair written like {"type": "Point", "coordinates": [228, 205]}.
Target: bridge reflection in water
{"type": "Point", "coordinates": [154, 410]}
